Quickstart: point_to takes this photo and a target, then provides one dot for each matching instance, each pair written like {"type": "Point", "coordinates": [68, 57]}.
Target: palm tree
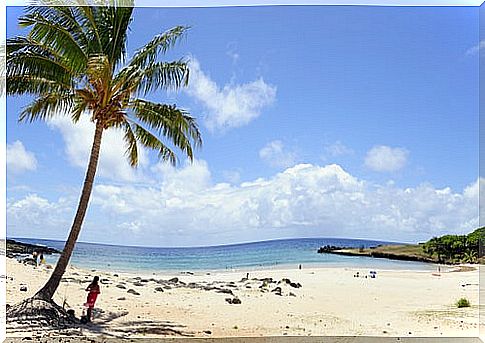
{"type": "Point", "coordinates": [470, 256]}
{"type": "Point", "coordinates": [73, 62]}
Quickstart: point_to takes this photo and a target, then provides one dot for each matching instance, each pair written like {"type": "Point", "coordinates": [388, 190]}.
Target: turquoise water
{"type": "Point", "coordinates": [267, 254]}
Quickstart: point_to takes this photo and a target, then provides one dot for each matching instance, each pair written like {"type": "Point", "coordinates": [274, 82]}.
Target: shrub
{"type": "Point", "coordinates": [463, 302]}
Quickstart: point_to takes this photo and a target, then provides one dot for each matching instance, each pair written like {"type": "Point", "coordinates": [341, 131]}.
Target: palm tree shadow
{"type": "Point", "coordinates": [105, 323]}
{"type": "Point", "coordinates": [108, 324]}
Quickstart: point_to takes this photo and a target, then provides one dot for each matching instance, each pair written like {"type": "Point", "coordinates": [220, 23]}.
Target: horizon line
{"type": "Point", "coordinates": [215, 245]}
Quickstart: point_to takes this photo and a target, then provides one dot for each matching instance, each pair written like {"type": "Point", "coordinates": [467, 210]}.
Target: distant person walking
{"type": "Point", "coordinates": [34, 257]}
{"type": "Point", "coordinates": [93, 290]}
{"type": "Point", "coordinates": [41, 259]}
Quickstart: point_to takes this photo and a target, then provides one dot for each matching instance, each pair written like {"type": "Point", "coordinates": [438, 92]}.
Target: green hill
{"type": "Point", "coordinates": [456, 248]}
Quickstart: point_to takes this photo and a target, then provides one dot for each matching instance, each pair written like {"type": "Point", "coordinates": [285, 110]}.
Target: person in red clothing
{"type": "Point", "coordinates": [93, 290]}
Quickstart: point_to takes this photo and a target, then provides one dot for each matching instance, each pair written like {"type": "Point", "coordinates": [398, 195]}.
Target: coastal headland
{"type": "Point", "coordinates": [392, 252]}
{"type": "Point", "coordinates": [447, 249]}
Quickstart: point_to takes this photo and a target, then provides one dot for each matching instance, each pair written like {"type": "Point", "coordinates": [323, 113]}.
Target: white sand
{"type": "Point", "coordinates": [331, 301]}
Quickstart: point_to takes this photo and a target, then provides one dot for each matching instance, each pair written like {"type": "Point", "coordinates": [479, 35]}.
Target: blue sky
{"type": "Point", "coordinates": [322, 121]}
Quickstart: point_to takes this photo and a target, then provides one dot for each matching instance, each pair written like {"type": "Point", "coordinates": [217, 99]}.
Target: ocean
{"type": "Point", "coordinates": [283, 253]}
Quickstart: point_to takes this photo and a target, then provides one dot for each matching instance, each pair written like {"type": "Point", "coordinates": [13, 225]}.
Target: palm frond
{"type": "Point", "coordinates": [87, 13]}
{"type": "Point", "coordinates": [34, 65]}
{"type": "Point", "coordinates": [159, 45]}
{"type": "Point", "coordinates": [66, 17]}
{"type": "Point", "coordinates": [121, 21]}
{"type": "Point", "coordinates": [32, 85]}
{"type": "Point", "coordinates": [34, 69]}
{"type": "Point", "coordinates": [26, 44]}
{"type": "Point", "coordinates": [131, 146]}
{"type": "Point", "coordinates": [150, 141]}
{"type": "Point", "coordinates": [47, 106]}
{"type": "Point", "coordinates": [57, 37]}
{"type": "Point", "coordinates": [165, 75]}
{"type": "Point", "coordinates": [126, 81]}
{"type": "Point", "coordinates": [170, 122]}
{"type": "Point", "coordinates": [84, 100]}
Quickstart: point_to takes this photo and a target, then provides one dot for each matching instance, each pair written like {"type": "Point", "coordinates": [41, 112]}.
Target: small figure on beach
{"type": "Point", "coordinates": [41, 259]}
{"type": "Point", "coordinates": [299, 266]}
{"type": "Point", "coordinates": [34, 257]}
{"type": "Point", "coordinates": [247, 276]}
{"type": "Point", "coordinates": [93, 290]}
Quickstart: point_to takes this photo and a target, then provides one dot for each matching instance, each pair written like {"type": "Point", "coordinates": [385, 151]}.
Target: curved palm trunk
{"type": "Point", "coordinates": [47, 292]}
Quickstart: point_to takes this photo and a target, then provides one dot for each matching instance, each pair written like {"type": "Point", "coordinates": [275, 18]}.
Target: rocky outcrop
{"type": "Point", "coordinates": [15, 248]}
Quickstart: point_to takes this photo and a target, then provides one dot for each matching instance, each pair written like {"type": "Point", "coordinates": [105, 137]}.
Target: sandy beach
{"type": "Point", "coordinates": [311, 301]}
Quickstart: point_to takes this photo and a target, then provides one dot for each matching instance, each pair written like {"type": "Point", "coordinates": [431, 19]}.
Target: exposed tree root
{"type": "Point", "coordinates": [39, 312]}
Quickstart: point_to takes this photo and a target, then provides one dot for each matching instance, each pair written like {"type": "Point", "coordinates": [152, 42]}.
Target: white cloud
{"type": "Point", "coordinates": [19, 159]}
{"type": "Point", "coordinates": [386, 159]}
{"type": "Point", "coordinates": [231, 106]}
{"type": "Point", "coordinates": [337, 149]}
{"type": "Point", "coordinates": [34, 216]}
{"type": "Point", "coordinates": [134, 226]}
{"type": "Point", "coordinates": [186, 207]}
{"type": "Point", "coordinates": [275, 154]}
{"type": "Point", "coordinates": [113, 163]}
{"type": "Point", "coordinates": [476, 49]}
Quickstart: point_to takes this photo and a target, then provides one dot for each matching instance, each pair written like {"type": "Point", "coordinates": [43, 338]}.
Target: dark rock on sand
{"type": "Point", "coordinates": [277, 289]}
{"type": "Point", "coordinates": [295, 284]}
{"type": "Point", "coordinates": [122, 298]}
{"type": "Point", "coordinates": [268, 280]}
{"type": "Point", "coordinates": [23, 288]}
{"type": "Point", "coordinates": [174, 280]}
{"type": "Point", "coordinates": [138, 284]}
{"type": "Point", "coordinates": [132, 291]}
{"type": "Point", "coordinates": [209, 332]}
{"type": "Point", "coordinates": [234, 301]}
{"type": "Point", "coordinates": [159, 289]}
{"type": "Point", "coordinates": [121, 286]}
